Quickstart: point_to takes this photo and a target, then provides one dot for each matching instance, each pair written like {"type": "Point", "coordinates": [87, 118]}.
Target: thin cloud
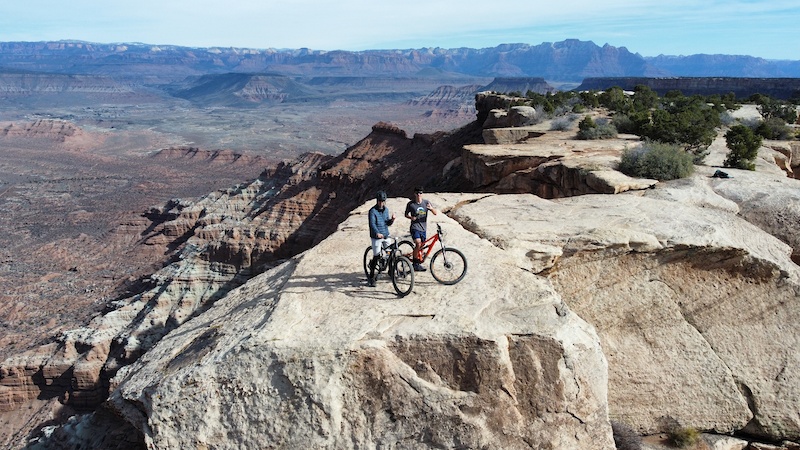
{"type": "Point", "coordinates": [649, 27]}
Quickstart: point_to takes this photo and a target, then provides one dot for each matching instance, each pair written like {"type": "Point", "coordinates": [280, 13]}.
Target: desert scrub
{"type": "Point", "coordinates": [680, 436]}
{"type": "Point", "coordinates": [588, 129]}
{"type": "Point", "coordinates": [683, 437]}
{"type": "Point", "coordinates": [563, 123]}
{"type": "Point", "coordinates": [774, 128]}
{"type": "Point", "coordinates": [658, 161]}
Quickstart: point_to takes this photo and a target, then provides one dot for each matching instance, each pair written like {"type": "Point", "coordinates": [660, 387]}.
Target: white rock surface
{"type": "Point", "coordinates": [307, 356]}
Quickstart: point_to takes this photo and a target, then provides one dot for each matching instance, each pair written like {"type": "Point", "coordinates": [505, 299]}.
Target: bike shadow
{"type": "Point", "coordinates": [350, 284]}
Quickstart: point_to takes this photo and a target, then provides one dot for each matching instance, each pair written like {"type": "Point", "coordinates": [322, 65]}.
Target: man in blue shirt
{"type": "Point", "coordinates": [379, 222]}
{"type": "Point", "coordinates": [417, 210]}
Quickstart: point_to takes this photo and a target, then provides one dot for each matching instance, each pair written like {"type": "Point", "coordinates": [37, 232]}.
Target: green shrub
{"type": "Point", "coordinates": [774, 128]}
{"type": "Point", "coordinates": [606, 131]}
{"type": "Point", "coordinates": [743, 144]}
{"type": "Point", "coordinates": [658, 161]}
{"type": "Point", "coordinates": [632, 123]}
{"type": "Point", "coordinates": [624, 123]}
{"type": "Point", "coordinates": [684, 437]}
{"type": "Point", "coordinates": [615, 99]}
{"type": "Point", "coordinates": [644, 98]}
{"type": "Point", "coordinates": [770, 107]}
{"type": "Point", "coordinates": [589, 130]}
{"type": "Point", "coordinates": [678, 435]}
{"type": "Point", "coordinates": [683, 120]}
{"type": "Point", "coordinates": [586, 123]}
{"type": "Point", "coordinates": [589, 98]}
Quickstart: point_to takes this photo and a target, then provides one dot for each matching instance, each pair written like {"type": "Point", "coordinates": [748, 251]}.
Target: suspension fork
{"type": "Point", "coordinates": [443, 247]}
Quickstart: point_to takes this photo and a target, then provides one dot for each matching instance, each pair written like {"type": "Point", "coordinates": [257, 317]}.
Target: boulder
{"type": "Point", "coordinates": [494, 136]}
{"type": "Point", "coordinates": [520, 116]}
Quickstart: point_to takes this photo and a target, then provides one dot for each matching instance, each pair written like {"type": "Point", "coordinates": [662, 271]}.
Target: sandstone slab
{"type": "Point", "coordinates": [550, 164]}
{"type": "Point", "coordinates": [696, 308]}
{"type": "Point", "coordinates": [306, 355]}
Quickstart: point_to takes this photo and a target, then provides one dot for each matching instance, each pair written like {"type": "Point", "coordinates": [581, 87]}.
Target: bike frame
{"type": "Point", "coordinates": [430, 244]}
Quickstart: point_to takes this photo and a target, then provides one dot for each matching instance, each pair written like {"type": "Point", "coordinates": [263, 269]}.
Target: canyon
{"type": "Point", "coordinates": [181, 266]}
{"type": "Point", "coordinates": [609, 293]}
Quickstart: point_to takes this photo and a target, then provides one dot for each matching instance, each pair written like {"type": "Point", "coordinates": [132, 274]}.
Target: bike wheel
{"type": "Point", "coordinates": [402, 275]}
{"type": "Point", "coordinates": [367, 259]}
{"type": "Point", "coordinates": [406, 248]}
{"type": "Point", "coordinates": [448, 266]}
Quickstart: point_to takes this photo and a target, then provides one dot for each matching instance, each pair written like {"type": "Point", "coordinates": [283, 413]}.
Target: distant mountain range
{"type": "Point", "coordinates": [569, 61]}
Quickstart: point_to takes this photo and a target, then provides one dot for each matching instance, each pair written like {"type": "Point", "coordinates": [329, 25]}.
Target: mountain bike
{"type": "Point", "coordinates": [399, 267]}
{"type": "Point", "coordinates": [448, 265]}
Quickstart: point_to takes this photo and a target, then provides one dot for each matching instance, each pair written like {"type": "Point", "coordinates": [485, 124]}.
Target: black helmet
{"type": "Point", "coordinates": [380, 196]}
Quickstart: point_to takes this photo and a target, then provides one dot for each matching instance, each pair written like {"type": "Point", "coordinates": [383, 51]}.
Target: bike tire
{"type": "Point", "coordinates": [367, 259]}
{"type": "Point", "coordinates": [406, 248]}
{"type": "Point", "coordinates": [402, 273]}
{"type": "Point", "coordinates": [448, 266]}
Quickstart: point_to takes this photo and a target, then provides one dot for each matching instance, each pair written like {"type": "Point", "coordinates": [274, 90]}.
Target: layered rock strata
{"type": "Point", "coordinates": [550, 166]}
{"type": "Point", "coordinates": [217, 243]}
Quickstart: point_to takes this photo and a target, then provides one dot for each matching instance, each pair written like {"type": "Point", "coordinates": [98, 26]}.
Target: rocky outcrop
{"type": "Point", "coordinates": [51, 83]}
{"type": "Point", "coordinates": [487, 101]}
{"type": "Point", "coordinates": [209, 156]}
{"type": "Point", "coordinates": [788, 159]}
{"type": "Point", "coordinates": [520, 84]}
{"type": "Point", "coordinates": [54, 130]}
{"type": "Point", "coordinates": [306, 355]}
{"type": "Point", "coordinates": [550, 167]}
{"type": "Point", "coordinates": [772, 203]}
{"type": "Point", "coordinates": [708, 294]}
{"type": "Point", "coordinates": [515, 116]}
{"type": "Point", "coordinates": [448, 96]}
{"type": "Point", "coordinates": [239, 88]}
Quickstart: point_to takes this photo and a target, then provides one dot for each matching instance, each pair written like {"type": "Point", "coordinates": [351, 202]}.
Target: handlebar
{"type": "Point", "coordinates": [393, 244]}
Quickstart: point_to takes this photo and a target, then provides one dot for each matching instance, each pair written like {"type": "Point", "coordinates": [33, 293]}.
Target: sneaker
{"type": "Point", "coordinates": [418, 268]}
{"type": "Point", "coordinates": [371, 282]}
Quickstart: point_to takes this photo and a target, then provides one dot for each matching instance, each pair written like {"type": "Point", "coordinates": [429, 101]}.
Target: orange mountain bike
{"type": "Point", "coordinates": [448, 265]}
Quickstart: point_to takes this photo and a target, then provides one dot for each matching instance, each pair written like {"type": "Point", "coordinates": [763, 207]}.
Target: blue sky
{"type": "Point", "coordinates": [766, 29]}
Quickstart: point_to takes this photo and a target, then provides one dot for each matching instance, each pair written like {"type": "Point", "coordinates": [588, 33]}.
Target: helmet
{"type": "Point", "coordinates": [380, 196]}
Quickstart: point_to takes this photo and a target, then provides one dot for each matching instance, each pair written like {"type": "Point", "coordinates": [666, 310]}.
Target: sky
{"type": "Point", "coordinates": [762, 28]}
